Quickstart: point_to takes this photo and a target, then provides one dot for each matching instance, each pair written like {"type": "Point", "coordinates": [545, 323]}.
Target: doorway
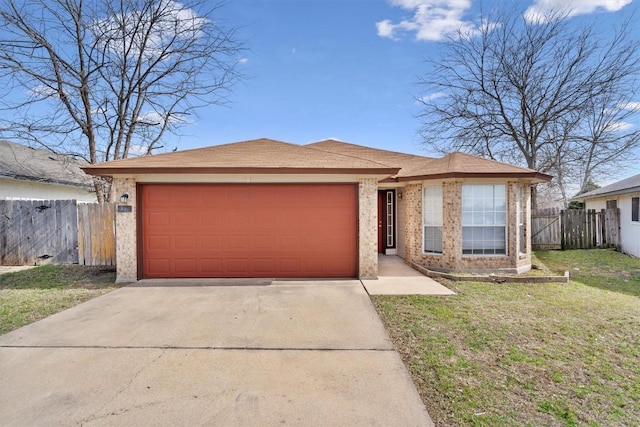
{"type": "Point", "coordinates": [386, 221]}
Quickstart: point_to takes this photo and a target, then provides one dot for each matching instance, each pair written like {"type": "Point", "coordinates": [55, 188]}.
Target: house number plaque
{"type": "Point", "coordinates": [122, 208]}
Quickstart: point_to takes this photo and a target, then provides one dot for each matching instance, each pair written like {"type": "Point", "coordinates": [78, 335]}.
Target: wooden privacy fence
{"type": "Point", "coordinates": [96, 234]}
{"type": "Point", "coordinates": [545, 229]}
{"type": "Point", "coordinates": [34, 232]}
{"type": "Point", "coordinates": [588, 229]}
{"type": "Point", "coordinates": [575, 228]}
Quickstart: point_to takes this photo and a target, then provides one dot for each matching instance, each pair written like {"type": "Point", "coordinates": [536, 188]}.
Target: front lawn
{"type": "Point", "coordinates": [30, 295]}
{"type": "Point", "coordinates": [528, 354]}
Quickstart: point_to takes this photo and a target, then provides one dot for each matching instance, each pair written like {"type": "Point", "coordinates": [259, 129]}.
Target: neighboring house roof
{"type": "Point", "coordinates": [330, 156]}
{"type": "Point", "coordinates": [628, 185]}
{"type": "Point", "coordinates": [29, 164]}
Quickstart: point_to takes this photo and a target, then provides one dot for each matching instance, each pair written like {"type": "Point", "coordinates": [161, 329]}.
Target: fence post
{"type": "Point", "coordinates": [563, 244]}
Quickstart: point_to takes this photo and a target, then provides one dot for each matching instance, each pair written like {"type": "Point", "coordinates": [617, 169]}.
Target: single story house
{"type": "Point", "coordinates": [624, 195]}
{"type": "Point", "coordinates": [266, 208]}
{"type": "Point", "coordinates": [31, 174]}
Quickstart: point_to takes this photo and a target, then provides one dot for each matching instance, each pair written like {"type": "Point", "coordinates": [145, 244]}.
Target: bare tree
{"type": "Point", "coordinates": [108, 79]}
{"type": "Point", "coordinates": [536, 93]}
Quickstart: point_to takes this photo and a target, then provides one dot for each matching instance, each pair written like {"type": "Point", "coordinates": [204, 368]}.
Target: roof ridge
{"type": "Point", "coordinates": [370, 148]}
{"type": "Point", "coordinates": [348, 155]}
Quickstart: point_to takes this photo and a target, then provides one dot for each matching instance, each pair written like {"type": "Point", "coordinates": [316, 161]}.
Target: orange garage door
{"type": "Point", "coordinates": [249, 230]}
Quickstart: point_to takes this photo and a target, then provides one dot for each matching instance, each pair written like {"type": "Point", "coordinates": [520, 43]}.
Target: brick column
{"type": "Point", "coordinates": [368, 228]}
{"type": "Point", "coordinates": [513, 196]}
{"type": "Point", "coordinates": [413, 222]}
{"type": "Point", "coordinates": [452, 225]}
{"type": "Point", "coordinates": [126, 232]}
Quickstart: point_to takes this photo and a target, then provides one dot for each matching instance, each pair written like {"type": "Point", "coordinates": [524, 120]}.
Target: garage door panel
{"type": "Point", "coordinates": [185, 243]}
{"type": "Point", "coordinates": [263, 266]}
{"type": "Point", "coordinates": [160, 266]}
{"type": "Point", "coordinates": [210, 243]}
{"type": "Point", "coordinates": [262, 243]}
{"type": "Point", "coordinates": [238, 266]}
{"type": "Point", "coordinates": [212, 265]}
{"type": "Point", "coordinates": [248, 230]}
{"type": "Point", "coordinates": [158, 219]}
{"type": "Point", "coordinates": [237, 242]}
{"type": "Point", "coordinates": [185, 265]}
{"type": "Point", "coordinates": [159, 242]}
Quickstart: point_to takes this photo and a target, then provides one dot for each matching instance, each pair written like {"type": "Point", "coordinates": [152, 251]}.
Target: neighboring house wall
{"type": "Point", "coordinates": [12, 189]}
{"type": "Point", "coordinates": [629, 230]}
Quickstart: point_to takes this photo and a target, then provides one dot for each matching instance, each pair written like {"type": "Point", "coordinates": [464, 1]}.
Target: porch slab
{"type": "Point", "coordinates": [405, 285]}
{"type": "Point", "coordinates": [397, 278]}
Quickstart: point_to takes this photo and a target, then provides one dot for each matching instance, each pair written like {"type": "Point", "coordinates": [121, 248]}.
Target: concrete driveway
{"type": "Point", "coordinates": [207, 353]}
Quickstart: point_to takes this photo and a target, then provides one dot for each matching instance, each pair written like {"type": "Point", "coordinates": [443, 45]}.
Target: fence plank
{"type": "Point", "coordinates": [81, 234]}
{"type": "Point", "coordinates": [587, 229]}
{"type": "Point", "coordinates": [545, 228]}
{"type": "Point", "coordinates": [10, 233]}
{"type": "Point", "coordinates": [56, 231]}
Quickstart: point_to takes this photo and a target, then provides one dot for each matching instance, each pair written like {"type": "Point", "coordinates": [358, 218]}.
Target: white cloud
{"type": "Point", "coordinates": [618, 126]}
{"type": "Point", "coordinates": [631, 106]}
{"type": "Point", "coordinates": [171, 21]}
{"type": "Point", "coordinates": [432, 20]}
{"type": "Point", "coordinates": [42, 91]}
{"type": "Point", "coordinates": [541, 9]}
{"type": "Point", "coordinates": [154, 118]}
{"type": "Point", "coordinates": [431, 97]}
{"type": "Point", "coordinates": [243, 60]}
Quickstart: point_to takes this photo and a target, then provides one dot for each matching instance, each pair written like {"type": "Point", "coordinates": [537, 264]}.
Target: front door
{"type": "Point", "coordinates": [386, 220]}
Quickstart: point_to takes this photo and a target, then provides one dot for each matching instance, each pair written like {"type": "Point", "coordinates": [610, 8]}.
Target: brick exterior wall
{"type": "Point", "coordinates": [368, 228]}
{"type": "Point", "coordinates": [126, 233]}
{"type": "Point", "coordinates": [401, 227]}
{"type": "Point", "coordinates": [451, 258]}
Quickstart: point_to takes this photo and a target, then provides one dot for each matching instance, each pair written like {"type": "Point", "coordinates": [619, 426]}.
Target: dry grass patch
{"type": "Point", "coordinates": [522, 354]}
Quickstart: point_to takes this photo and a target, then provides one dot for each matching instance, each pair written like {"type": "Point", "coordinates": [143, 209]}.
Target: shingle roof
{"type": "Point", "coordinates": [628, 185]}
{"type": "Point", "coordinates": [465, 165]}
{"type": "Point", "coordinates": [392, 158]}
{"type": "Point", "coordinates": [329, 156]}
{"type": "Point", "coordinates": [419, 167]}
{"type": "Point", "coordinates": [257, 156]}
{"type": "Point", "coordinates": [30, 164]}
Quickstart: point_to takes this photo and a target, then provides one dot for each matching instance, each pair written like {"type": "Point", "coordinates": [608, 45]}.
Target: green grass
{"type": "Point", "coordinates": [527, 354]}
{"type": "Point", "coordinates": [600, 268]}
{"type": "Point", "coordinates": [30, 295]}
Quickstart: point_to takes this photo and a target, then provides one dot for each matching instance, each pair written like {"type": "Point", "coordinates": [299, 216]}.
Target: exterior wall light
{"type": "Point", "coordinates": [124, 199]}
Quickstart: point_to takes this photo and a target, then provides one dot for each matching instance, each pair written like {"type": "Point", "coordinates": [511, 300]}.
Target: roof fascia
{"type": "Point", "coordinates": [535, 177]}
{"type": "Point", "coordinates": [110, 171]}
{"type": "Point", "coordinates": [609, 193]}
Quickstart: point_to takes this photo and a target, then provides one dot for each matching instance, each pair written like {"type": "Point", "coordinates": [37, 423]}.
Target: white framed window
{"type": "Point", "coordinates": [484, 219]}
{"type": "Point", "coordinates": [432, 219]}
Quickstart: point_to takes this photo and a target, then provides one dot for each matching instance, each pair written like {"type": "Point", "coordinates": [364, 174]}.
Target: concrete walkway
{"type": "Point", "coordinates": [248, 354]}
{"type": "Point", "coordinates": [395, 277]}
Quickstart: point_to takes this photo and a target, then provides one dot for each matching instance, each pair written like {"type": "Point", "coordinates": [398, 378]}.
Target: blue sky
{"type": "Point", "coordinates": [345, 69]}
{"type": "Point", "coordinates": [317, 70]}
